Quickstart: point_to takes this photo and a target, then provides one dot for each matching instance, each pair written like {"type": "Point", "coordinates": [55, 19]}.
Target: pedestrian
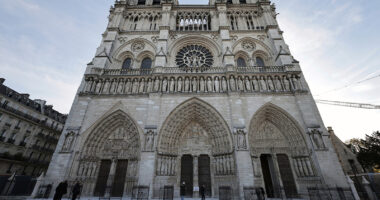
{"type": "Point", "coordinates": [60, 190]}
{"type": "Point", "coordinates": [76, 190]}
{"type": "Point", "coordinates": [202, 190]}
{"type": "Point", "coordinates": [183, 190]}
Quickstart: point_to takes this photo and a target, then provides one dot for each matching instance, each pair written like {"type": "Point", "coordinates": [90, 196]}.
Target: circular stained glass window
{"type": "Point", "coordinates": [194, 56]}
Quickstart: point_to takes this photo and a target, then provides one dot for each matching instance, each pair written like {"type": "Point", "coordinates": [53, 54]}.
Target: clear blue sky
{"type": "Point", "coordinates": [45, 46]}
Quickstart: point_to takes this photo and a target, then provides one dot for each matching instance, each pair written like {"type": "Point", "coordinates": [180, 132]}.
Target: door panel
{"type": "Point", "coordinates": [119, 180]}
{"type": "Point", "coordinates": [204, 174]}
{"type": "Point", "coordinates": [287, 175]}
{"type": "Point", "coordinates": [101, 181]}
{"type": "Point", "coordinates": [187, 173]}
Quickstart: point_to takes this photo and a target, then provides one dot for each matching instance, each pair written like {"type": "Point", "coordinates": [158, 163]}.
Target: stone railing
{"type": "Point", "coordinates": [280, 79]}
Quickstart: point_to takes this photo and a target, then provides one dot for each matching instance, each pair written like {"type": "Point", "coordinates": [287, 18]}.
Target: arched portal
{"type": "Point", "coordinates": [109, 159]}
{"type": "Point", "coordinates": [195, 146]}
{"type": "Point", "coordinates": [278, 149]}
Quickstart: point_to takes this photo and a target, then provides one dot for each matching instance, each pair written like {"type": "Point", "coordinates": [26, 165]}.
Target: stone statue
{"type": "Point", "coordinates": [68, 142]}
{"type": "Point", "coordinates": [120, 86]}
{"type": "Point", "coordinates": [255, 84]}
{"type": "Point", "coordinates": [106, 87]}
{"type": "Point", "coordinates": [201, 84]}
{"type": "Point", "coordinates": [209, 84]}
{"type": "Point", "coordinates": [88, 85]}
{"type": "Point", "coordinates": [240, 84]}
{"type": "Point", "coordinates": [128, 86]}
{"type": "Point", "coordinates": [263, 84]}
{"type": "Point", "coordinates": [113, 86]}
{"type": "Point", "coordinates": [172, 85]}
{"type": "Point", "coordinates": [232, 83]}
{"type": "Point", "coordinates": [156, 84]}
{"type": "Point", "coordinates": [187, 84]}
{"type": "Point", "coordinates": [216, 85]}
{"type": "Point", "coordinates": [135, 86]}
{"type": "Point", "coordinates": [270, 84]}
{"type": "Point", "coordinates": [278, 84]}
{"type": "Point", "coordinates": [165, 85]}
{"type": "Point", "coordinates": [247, 84]}
{"type": "Point", "coordinates": [224, 84]}
{"type": "Point", "coordinates": [98, 86]}
{"type": "Point", "coordinates": [179, 84]}
{"type": "Point", "coordinates": [286, 83]}
{"type": "Point", "coordinates": [194, 83]}
{"type": "Point", "coordinates": [295, 83]}
{"type": "Point", "coordinates": [149, 87]}
{"type": "Point", "coordinates": [142, 85]}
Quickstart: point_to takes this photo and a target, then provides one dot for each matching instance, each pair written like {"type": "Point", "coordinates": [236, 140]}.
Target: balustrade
{"type": "Point", "coordinates": [179, 80]}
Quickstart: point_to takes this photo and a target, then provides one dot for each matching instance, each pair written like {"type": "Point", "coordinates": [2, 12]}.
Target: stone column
{"type": "Point", "coordinates": [111, 177]}
{"type": "Point", "coordinates": [195, 175]}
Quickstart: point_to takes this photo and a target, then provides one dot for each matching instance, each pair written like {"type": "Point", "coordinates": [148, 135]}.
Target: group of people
{"type": "Point", "coordinates": [62, 190]}
{"type": "Point", "coordinates": [202, 191]}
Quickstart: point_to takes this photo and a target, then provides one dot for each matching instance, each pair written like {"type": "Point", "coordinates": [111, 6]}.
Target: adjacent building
{"type": "Point", "coordinates": [29, 132]}
{"type": "Point", "coordinates": [200, 95]}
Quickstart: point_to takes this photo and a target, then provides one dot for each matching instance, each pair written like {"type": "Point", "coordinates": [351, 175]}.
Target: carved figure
{"type": "Point", "coordinates": [278, 84]}
{"type": "Point", "coordinates": [216, 84]}
{"type": "Point", "coordinates": [224, 84]}
{"type": "Point", "coordinates": [165, 85]}
{"type": "Point", "coordinates": [149, 87]}
{"type": "Point", "coordinates": [172, 85]}
{"type": "Point", "coordinates": [201, 84]}
{"type": "Point", "coordinates": [232, 83]}
{"type": "Point", "coordinates": [142, 85]}
{"type": "Point", "coordinates": [135, 86]}
{"type": "Point", "coordinates": [270, 84]}
{"type": "Point", "coordinates": [106, 87]}
{"type": "Point", "coordinates": [128, 86]}
{"type": "Point", "coordinates": [179, 84]}
{"type": "Point", "coordinates": [263, 84]}
{"type": "Point", "coordinates": [247, 84]}
{"type": "Point", "coordinates": [255, 84]}
{"type": "Point", "coordinates": [286, 83]}
{"type": "Point", "coordinates": [120, 86]}
{"type": "Point", "coordinates": [194, 83]}
{"type": "Point", "coordinates": [240, 84]}
{"type": "Point", "coordinates": [156, 84]}
{"type": "Point", "coordinates": [209, 84]}
{"type": "Point", "coordinates": [187, 84]}
{"type": "Point", "coordinates": [68, 142]}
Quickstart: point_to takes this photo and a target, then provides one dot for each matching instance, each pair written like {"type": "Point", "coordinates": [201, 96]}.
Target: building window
{"type": "Point", "coordinates": [229, 1]}
{"type": "Point", "coordinates": [127, 63]}
{"type": "Point", "coordinates": [194, 56]}
{"type": "Point", "coordinates": [260, 62]}
{"type": "Point", "coordinates": [156, 2]}
{"type": "Point", "coordinates": [242, 1]}
{"type": "Point", "coordinates": [241, 62]}
{"type": "Point", "coordinates": [146, 63]}
{"type": "Point", "coordinates": [141, 2]}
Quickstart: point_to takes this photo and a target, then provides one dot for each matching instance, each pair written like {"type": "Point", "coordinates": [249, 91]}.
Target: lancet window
{"type": "Point", "coordinates": [146, 63]}
{"type": "Point", "coordinates": [127, 64]}
{"type": "Point", "coordinates": [142, 20]}
{"type": "Point", "coordinates": [241, 62]}
{"type": "Point", "coordinates": [244, 20]}
{"type": "Point", "coordinates": [260, 62]}
{"type": "Point", "coordinates": [193, 21]}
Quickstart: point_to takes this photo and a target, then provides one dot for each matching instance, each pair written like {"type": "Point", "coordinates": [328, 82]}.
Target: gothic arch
{"type": "Point", "coordinates": [195, 110]}
{"type": "Point", "coordinates": [257, 46]}
{"type": "Point", "coordinates": [119, 126]}
{"type": "Point", "coordinates": [124, 47]}
{"type": "Point", "coordinates": [272, 129]}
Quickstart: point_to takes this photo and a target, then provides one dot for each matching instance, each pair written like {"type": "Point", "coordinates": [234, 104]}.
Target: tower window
{"type": "Point", "coordinates": [229, 1]}
{"type": "Point", "coordinates": [156, 2]}
{"type": "Point", "coordinates": [127, 63]}
{"type": "Point", "coordinates": [241, 62]}
{"type": "Point", "coordinates": [260, 62]}
{"type": "Point", "coordinates": [146, 63]}
{"type": "Point", "coordinates": [242, 1]}
{"type": "Point", "coordinates": [141, 2]}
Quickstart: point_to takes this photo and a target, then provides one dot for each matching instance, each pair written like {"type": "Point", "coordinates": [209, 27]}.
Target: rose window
{"type": "Point", "coordinates": [194, 56]}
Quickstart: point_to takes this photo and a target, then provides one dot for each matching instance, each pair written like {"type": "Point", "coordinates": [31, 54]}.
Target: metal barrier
{"type": "Point", "coordinates": [17, 185]}
{"type": "Point", "coordinates": [140, 193]}
{"type": "Point", "coordinates": [167, 192]}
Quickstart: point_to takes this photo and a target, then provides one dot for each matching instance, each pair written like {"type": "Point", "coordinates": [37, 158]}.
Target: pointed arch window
{"type": "Point", "coordinates": [156, 2]}
{"type": "Point", "coordinates": [260, 62]}
{"type": "Point", "coordinates": [241, 62]}
{"type": "Point", "coordinates": [242, 1]}
{"type": "Point", "coordinates": [146, 63]}
{"type": "Point", "coordinates": [127, 64]}
{"type": "Point", "coordinates": [141, 2]}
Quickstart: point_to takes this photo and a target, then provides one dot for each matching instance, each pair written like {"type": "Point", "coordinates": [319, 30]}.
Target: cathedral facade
{"type": "Point", "coordinates": [200, 95]}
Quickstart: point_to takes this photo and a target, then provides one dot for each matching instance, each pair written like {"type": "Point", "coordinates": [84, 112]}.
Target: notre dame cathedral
{"type": "Point", "coordinates": [200, 95]}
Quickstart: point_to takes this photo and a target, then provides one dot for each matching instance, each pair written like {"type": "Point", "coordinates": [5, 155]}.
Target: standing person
{"type": "Point", "coordinates": [183, 190]}
{"type": "Point", "coordinates": [202, 191]}
{"type": "Point", "coordinates": [76, 190]}
{"type": "Point", "coordinates": [60, 190]}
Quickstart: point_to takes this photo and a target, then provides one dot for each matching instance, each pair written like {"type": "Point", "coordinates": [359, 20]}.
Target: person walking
{"type": "Point", "coordinates": [202, 191]}
{"type": "Point", "coordinates": [60, 190]}
{"type": "Point", "coordinates": [182, 190]}
{"type": "Point", "coordinates": [76, 190]}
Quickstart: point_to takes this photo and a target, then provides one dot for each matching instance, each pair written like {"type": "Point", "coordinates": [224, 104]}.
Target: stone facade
{"type": "Point", "coordinates": [202, 94]}
{"type": "Point", "coordinates": [30, 130]}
